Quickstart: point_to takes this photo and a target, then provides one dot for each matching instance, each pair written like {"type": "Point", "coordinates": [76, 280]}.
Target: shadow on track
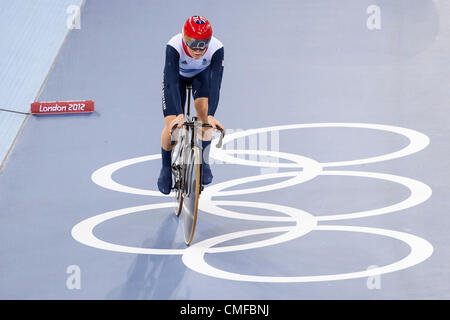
{"type": "Point", "coordinates": [152, 276]}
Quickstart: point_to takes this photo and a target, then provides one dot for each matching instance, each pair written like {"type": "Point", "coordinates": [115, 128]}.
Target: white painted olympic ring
{"type": "Point", "coordinates": [420, 251]}
{"type": "Point", "coordinates": [83, 231]}
{"type": "Point", "coordinates": [417, 142]}
{"type": "Point", "coordinates": [420, 193]}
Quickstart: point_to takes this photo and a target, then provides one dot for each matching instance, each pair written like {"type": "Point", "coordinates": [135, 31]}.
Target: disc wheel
{"type": "Point", "coordinates": [191, 195]}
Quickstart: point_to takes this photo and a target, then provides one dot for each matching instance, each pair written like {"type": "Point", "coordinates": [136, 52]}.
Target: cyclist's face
{"type": "Point", "coordinates": [196, 54]}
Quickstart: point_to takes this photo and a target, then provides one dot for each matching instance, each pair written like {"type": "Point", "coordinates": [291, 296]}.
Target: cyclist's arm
{"type": "Point", "coordinates": [216, 80]}
{"type": "Point", "coordinates": [171, 77]}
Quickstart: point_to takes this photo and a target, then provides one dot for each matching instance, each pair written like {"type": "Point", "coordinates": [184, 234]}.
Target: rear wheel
{"type": "Point", "coordinates": [178, 170]}
{"type": "Point", "coordinates": [178, 175]}
{"type": "Point", "coordinates": [191, 194]}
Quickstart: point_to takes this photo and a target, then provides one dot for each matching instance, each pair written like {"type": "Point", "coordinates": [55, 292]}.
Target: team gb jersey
{"type": "Point", "coordinates": [190, 67]}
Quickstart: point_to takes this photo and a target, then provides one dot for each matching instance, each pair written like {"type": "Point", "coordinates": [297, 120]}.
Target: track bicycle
{"type": "Point", "coordinates": [187, 162]}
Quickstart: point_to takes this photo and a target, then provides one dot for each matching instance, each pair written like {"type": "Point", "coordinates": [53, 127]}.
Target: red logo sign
{"type": "Point", "coordinates": [62, 107]}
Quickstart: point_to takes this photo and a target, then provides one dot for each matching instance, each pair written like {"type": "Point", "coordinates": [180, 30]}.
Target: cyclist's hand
{"type": "Point", "coordinates": [179, 120]}
{"type": "Point", "coordinates": [215, 123]}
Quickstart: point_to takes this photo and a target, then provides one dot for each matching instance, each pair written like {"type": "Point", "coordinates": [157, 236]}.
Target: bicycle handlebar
{"type": "Point", "coordinates": [222, 133]}
{"type": "Point", "coordinates": [189, 124]}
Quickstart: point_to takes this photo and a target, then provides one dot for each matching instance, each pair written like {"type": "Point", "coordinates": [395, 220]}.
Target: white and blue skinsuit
{"type": "Point", "coordinates": [205, 75]}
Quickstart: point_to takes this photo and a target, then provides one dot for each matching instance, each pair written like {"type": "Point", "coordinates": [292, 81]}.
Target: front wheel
{"type": "Point", "coordinates": [191, 194]}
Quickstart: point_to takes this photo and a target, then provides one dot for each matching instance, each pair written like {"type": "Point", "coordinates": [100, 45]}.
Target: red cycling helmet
{"type": "Point", "coordinates": [197, 32]}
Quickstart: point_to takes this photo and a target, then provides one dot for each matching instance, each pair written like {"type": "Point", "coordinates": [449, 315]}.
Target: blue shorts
{"type": "Point", "coordinates": [200, 89]}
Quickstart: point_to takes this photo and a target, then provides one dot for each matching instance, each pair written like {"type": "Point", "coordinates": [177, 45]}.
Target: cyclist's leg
{"type": "Point", "coordinates": [165, 175]}
{"type": "Point", "coordinates": [165, 134]}
{"type": "Point", "coordinates": [169, 110]}
{"type": "Point", "coordinates": [200, 86]}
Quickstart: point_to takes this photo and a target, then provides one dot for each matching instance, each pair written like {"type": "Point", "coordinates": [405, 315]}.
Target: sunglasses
{"type": "Point", "coordinates": [196, 44]}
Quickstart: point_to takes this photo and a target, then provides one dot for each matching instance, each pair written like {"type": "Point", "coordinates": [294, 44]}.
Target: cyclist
{"type": "Point", "coordinates": [192, 57]}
